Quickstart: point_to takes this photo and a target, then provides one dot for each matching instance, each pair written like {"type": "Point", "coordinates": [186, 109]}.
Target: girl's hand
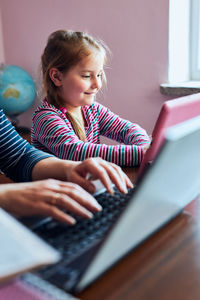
{"type": "Point", "coordinates": [48, 197]}
{"type": "Point", "coordinates": [145, 148]}
{"type": "Point", "coordinates": [98, 168]}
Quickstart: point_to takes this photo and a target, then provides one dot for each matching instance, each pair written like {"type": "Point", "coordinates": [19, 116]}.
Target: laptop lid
{"type": "Point", "coordinates": [18, 248]}
{"type": "Point", "coordinates": [171, 113]}
{"type": "Point", "coordinates": [162, 193]}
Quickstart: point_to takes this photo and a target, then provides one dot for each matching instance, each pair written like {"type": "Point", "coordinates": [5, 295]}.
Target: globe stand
{"type": "Point", "coordinates": [20, 129]}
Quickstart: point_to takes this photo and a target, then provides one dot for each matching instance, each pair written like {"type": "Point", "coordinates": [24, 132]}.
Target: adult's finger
{"type": "Point", "coordinates": [90, 166]}
{"type": "Point", "coordinates": [46, 209]}
{"type": "Point", "coordinates": [82, 181]}
{"type": "Point", "coordinates": [116, 175]}
{"type": "Point", "coordinates": [71, 194]}
{"type": "Point", "coordinates": [122, 176]}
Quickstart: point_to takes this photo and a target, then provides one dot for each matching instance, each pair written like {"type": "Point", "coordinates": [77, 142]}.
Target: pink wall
{"type": "Point", "coordinates": [1, 41]}
{"type": "Point", "coordinates": [135, 30]}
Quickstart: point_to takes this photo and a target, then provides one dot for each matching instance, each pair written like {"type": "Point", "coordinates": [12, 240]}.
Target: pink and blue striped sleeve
{"type": "Point", "coordinates": [121, 130]}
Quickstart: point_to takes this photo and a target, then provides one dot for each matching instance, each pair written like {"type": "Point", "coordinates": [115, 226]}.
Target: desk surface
{"type": "Point", "coordinates": [166, 266]}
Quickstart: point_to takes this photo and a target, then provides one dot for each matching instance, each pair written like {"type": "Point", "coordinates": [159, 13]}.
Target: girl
{"type": "Point", "coordinates": [69, 122]}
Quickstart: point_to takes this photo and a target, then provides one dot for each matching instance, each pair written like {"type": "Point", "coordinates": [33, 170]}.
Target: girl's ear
{"type": "Point", "coordinates": [56, 76]}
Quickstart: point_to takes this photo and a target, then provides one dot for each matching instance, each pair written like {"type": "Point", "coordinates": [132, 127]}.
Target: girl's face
{"type": "Point", "coordinates": [82, 82]}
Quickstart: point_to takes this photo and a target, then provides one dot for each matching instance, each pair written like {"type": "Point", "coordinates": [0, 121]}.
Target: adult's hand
{"type": "Point", "coordinates": [48, 197]}
{"type": "Point", "coordinates": [97, 168]}
{"type": "Point", "coordinates": [77, 172]}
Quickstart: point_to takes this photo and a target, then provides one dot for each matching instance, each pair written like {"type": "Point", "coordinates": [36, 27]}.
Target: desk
{"type": "Point", "coordinates": [166, 266]}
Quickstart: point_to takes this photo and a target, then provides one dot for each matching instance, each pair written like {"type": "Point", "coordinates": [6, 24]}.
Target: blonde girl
{"type": "Point", "coordinates": [69, 122]}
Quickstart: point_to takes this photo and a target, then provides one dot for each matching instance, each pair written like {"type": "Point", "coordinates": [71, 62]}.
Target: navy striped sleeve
{"type": "Point", "coordinates": [17, 156]}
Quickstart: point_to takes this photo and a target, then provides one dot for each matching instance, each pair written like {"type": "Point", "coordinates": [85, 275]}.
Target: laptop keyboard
{"type": "Point", "coordinates": [73, 241]}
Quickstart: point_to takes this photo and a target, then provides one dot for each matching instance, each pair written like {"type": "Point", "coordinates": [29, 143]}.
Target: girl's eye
{"type": "Point", "coordinates": [100, 75]}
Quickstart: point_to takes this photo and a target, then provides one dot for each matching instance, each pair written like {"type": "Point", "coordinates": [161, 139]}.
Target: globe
{"type": "Point", "coordinates": [17, 90]}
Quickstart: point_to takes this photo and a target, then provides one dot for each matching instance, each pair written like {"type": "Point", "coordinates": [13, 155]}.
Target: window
{"type": "Point", "coordinates": [184, 40]}
{"type": "Point", "coordinates": [184, 48]}
{"type": "Point", "coordinates": [195, 40]}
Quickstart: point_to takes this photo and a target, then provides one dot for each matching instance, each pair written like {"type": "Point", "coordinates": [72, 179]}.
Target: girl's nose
{"type": "Point", "coordinates": [96, 83]}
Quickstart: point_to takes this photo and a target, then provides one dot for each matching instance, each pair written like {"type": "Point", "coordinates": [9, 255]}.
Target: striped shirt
{"type": "Point", "coordinates": [53, 132]}
{"type": "Point", "coordinates": [17, 157]}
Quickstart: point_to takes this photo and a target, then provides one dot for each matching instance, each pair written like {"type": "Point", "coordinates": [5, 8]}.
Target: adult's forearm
{"type": "Point", "coordinates": [51, 167]}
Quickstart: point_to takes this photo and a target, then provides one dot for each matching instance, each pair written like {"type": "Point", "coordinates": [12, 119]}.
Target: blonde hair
{"type": "Point", "coordinates": [65, 49]}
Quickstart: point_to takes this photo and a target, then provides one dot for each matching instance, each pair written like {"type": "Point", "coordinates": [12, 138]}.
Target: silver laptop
{"type": "Point", "coordinates": [17, 251]}
{"type": "Point", "coordinates": [172, 181]}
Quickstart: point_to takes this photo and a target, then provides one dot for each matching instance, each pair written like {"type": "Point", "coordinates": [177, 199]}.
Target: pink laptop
{"type": "Point", "coordinates": [172, 113]}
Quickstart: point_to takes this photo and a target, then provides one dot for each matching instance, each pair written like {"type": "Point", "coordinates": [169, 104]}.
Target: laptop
{"type": "Point", "coordinates": [17, 254]}
{"type": "Point", "coordinates": [172, 112]}
{"type": "Point", "coordinates": [93, 246]}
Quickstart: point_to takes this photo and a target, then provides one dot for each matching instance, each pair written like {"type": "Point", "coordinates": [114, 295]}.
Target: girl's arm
{"type": "Point", "coordinates": [116, 128]}
{"type": "Point", "coordinates": [51, 133]}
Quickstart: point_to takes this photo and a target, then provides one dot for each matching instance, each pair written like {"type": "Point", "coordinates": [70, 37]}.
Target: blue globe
{"type": "Point", "coordinates": [17, 90]}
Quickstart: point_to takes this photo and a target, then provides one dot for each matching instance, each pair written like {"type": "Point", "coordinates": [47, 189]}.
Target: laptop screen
{"type": "Point", "coordinates": [171, 113]}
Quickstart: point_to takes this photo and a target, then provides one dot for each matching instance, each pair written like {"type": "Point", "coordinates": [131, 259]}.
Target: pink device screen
{"type": "Point", "coordinates": [172, 112]}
